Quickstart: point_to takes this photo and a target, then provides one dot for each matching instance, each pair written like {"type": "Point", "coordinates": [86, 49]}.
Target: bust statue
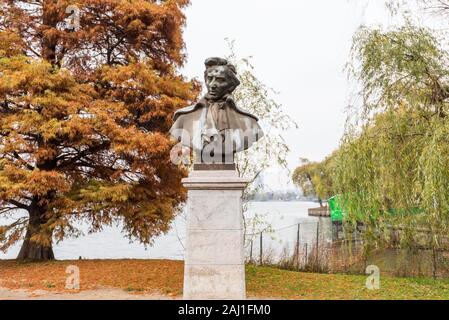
{"type": "Point", "coordinates": [215, 128]}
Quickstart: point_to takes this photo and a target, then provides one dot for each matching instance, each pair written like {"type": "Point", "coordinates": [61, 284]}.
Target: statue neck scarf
{"type": "Point", "coordinates": [217, 120]}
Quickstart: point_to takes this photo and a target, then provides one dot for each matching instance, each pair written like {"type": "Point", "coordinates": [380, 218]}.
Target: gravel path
{"type": "Point", "coordinates": [99, 294]}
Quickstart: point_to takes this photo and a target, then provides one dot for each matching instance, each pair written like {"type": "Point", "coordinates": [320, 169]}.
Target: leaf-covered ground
{"type": "Point", "coordinates": [166, 278]}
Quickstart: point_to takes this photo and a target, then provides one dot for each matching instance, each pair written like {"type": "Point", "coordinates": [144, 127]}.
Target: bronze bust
{"type": "Point", "coordinates": [215, 128]}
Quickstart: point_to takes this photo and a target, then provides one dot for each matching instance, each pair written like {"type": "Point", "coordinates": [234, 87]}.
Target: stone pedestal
{"type": "Point", "coordinates": [214, 258]}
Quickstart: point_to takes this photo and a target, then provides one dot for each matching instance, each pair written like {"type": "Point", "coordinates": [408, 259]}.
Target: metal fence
{"type": "Point", "coordinates": [297, 243]}
{"type": "Point", "coordinates": [322, 247]}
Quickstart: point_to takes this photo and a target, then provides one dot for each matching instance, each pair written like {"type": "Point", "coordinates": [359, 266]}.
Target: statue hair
{"type": "Point", "coordinates": [231, 71]}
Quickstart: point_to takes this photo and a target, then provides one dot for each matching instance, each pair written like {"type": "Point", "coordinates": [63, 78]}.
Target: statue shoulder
{"type": "Point", "coordinates": [189, 109]}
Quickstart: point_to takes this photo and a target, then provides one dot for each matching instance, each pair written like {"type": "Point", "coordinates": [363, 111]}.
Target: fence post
{"type": "Point", "coordinates": [297, 246]}
{"type": "Point", "coordinates": [434, 263]}
{"type": "Point", "coordinates": [261, 249]}
{"type": "Point", "coordinates": [251, 252]}
{"type": "Point", "coordinates": [317, 242]}
{"type": "Point", "coordinates": [306, 257]}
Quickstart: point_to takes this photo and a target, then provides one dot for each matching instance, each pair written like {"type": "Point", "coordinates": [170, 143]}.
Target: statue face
{"type": "Point", "coordinates": [217, 82]}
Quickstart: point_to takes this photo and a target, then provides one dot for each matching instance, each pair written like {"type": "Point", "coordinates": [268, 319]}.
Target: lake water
{"type": "Point", "coordinates": [283, 217]}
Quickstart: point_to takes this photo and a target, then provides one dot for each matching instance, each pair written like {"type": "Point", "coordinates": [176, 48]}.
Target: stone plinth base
{"type": "Point", "coordinates": [214, 259]}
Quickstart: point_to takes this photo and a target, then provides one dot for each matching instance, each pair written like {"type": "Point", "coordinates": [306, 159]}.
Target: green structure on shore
{"type": "Point", "coordinates": [335, 209]}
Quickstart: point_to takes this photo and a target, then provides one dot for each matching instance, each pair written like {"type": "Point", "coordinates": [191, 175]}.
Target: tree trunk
{"type": "Point", "coordinates": [32, 250]}
{"type": "Point", "coordinates": [42, 250]}
{"type": "Point", "coordinates": [434, 263]}
{"type": "Point", "coordinates": [321, 202]}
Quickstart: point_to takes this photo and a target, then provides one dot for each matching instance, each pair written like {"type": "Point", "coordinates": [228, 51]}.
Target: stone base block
{"type": "Point", "coordinates": [206, 247]}
{"type": "Point", "coordinates": [214, 258]}
{"type": "Point", "coordinates": [214, 282]}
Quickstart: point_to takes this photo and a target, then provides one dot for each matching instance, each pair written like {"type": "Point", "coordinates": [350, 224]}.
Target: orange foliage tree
{"type": "Point", "coordinates": [84, 117]}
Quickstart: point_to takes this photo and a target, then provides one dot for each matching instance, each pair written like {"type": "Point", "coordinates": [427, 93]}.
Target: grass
{"type": "Point", "coordinates": [271, 282]}
{"type": "Point", "coordinates": [166, 277]}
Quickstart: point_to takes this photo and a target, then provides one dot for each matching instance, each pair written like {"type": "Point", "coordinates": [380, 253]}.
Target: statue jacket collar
{"type": "Point", "coordinates": [204, 103]}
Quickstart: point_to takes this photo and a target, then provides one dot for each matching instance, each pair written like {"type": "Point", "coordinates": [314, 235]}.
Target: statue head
{"type": "Point", "coordinates": [221, 78]}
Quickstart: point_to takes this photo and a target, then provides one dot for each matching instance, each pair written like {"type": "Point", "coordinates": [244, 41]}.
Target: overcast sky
{"type": "Point", "coordinates": [299, 48]}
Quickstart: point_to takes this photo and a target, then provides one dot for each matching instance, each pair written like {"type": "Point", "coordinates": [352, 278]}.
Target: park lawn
{"type": "Point", "coordinates": [166, 277]}
{"type": "Point", "coordinates": [276, 283]}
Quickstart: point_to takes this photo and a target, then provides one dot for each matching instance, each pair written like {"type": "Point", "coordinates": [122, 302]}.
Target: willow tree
{"type": "Point", "coordinates": [84, 116]}
{"type": "Point", "coordinates": [393, 166]}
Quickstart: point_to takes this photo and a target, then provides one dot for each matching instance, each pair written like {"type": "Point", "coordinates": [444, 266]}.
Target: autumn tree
{"type": "Point", "coordinates": [84, 118]}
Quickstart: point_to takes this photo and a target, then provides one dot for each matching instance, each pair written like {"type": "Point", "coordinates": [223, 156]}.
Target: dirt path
{"type": "Point", "coordinates": [98, 294]}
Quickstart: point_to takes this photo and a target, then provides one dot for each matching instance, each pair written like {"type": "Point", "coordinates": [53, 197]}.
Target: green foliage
{"type": "Point", "coordinates": [315, 178]}
{"type": "Point", "coordinates": [393, 165]}
{"type": "Point", "coordinates": [402, 67]}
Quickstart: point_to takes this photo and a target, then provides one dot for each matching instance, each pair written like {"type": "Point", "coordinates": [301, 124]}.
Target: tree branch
{"type": "Point", "coordinates": [19, 204]}
{"type": "Point", "coordinates": [26, 164]}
